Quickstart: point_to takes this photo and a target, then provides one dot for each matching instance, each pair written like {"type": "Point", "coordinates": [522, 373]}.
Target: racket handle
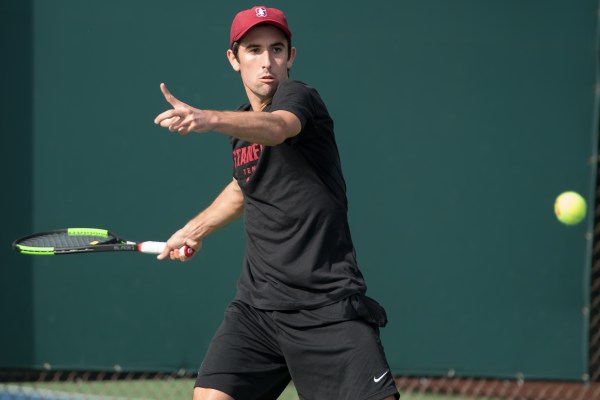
{"type": "Point", "coordinates": [158, 247]}
{"type": "Point", "coordinates": [186, 251]}
{"type": "Point", "coordinates": [151, 247]}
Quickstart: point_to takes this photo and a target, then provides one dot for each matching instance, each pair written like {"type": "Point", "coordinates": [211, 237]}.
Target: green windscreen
{"type": "Point", "coordinates": [458, 124]}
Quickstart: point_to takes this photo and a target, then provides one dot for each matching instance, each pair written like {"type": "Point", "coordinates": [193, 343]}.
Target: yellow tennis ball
{"type": "Point", "coordinates": [570, 208]}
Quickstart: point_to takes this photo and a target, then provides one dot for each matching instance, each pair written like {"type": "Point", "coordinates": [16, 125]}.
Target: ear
{"type": "Point", "coordinates": [233, 61]}
{"type": "Point", "coordinates": [292, 58]}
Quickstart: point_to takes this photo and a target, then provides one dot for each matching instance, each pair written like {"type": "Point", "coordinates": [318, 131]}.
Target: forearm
{"type": "Point", "coordinates": [265, 128]}
{"type": "Point", "coordinates": [226, 208]}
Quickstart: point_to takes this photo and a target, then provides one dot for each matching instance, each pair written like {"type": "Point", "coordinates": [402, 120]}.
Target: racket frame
{"type": "Point", "coordinates": [113, 243]}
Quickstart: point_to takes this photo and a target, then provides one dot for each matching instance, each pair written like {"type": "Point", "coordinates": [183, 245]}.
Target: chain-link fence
{"type": "Point", "coordinates": [77, 385]}
{"type": "Point", "coordinates": [60, 385]}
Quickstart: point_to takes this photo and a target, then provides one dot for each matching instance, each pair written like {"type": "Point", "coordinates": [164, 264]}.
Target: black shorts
{"type": "Point", "coordinates": [333, 352]}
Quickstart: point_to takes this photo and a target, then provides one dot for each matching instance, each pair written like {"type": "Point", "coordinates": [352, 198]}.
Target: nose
{"type": "Point", "coordinates": [266, 59]}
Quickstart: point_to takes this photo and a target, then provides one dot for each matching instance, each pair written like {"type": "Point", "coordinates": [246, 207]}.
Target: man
{"type": "Point", "coordinates": [300, 311]}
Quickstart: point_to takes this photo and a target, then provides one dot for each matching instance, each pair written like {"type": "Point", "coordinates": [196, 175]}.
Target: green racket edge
{"type": "Point", "coordinates": [36, 251]}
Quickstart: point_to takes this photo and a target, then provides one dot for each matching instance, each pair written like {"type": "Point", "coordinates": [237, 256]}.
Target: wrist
{"type": "Point", "coordinates": [196, 229]}
{"type": "Point", "coordinates": [213, 120]}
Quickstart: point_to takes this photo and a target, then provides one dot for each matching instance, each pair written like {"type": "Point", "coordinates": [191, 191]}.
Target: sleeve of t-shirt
{"type": "Point", "coordinates": [295, 97]}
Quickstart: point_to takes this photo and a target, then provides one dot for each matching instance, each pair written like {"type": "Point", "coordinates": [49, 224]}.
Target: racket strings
{"type": "Point", "coordinates": [62, 239]}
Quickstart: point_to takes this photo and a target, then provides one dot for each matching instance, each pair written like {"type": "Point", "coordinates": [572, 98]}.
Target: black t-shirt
{"type": "Point", "coordinates": [299, 252]}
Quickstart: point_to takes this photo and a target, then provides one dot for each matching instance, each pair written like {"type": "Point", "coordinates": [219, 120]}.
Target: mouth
{"type": "Point", "coordinates": [267, 78]}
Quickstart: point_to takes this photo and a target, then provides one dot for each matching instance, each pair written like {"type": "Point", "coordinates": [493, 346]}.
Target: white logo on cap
{"type": "Point", "coordinates": [261, 12]}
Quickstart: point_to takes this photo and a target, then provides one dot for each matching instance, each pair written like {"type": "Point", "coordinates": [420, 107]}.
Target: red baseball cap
{"type": "Point", "coordinates": [247, 19]}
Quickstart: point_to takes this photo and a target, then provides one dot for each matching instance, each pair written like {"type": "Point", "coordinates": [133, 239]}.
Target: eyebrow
{"type": "Point", "coordinates": [253, 45]}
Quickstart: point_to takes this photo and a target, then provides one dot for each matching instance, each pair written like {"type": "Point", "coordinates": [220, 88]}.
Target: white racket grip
{"type": "Point", "coordinates": [158, 247]}
{"type": "Point", "coordinates": [151, 247]}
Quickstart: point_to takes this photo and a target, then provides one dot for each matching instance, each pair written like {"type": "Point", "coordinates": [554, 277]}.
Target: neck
{"type": "Point", "coordinates": [259, 104]}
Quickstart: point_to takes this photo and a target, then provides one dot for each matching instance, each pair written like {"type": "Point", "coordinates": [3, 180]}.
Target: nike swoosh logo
{"type": "Point", "coordinates": [381, 377]}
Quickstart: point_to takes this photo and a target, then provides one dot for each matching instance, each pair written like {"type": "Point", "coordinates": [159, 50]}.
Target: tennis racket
{"type": "Point", "coordinates": [85, 240]}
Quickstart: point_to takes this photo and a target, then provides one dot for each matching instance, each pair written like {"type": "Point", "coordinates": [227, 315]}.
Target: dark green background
{"type": "Point", "coordinates": [458, 123]}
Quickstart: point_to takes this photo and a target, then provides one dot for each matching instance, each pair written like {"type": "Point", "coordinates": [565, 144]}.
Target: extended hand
{"type": "Point", "coordinates": [183, 118]}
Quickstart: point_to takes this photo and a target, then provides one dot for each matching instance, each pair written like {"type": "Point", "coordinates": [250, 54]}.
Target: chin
{"type": "Point", "coordinates": [267, 92]}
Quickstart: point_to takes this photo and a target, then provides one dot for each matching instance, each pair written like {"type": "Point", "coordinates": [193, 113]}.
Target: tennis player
{"type": "Point", "coordinates": [300, 312]}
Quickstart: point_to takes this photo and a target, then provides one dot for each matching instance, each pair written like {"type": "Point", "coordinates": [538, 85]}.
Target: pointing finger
{"type": "Point", "coordinates": [168, 96]}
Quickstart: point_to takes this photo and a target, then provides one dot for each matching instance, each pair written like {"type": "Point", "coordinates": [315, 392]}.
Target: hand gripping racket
{"type": "Point", "coordinates": [85, 240]}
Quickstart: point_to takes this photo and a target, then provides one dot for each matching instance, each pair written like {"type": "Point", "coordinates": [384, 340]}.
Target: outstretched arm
{"type": "Point", "coordinates": [268, 128]}
{"type": "Point", "coordinates": [226, 208]}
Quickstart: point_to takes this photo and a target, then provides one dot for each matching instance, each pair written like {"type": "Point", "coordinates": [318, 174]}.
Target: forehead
{"type": "Point", "coordinates": [263, 33]}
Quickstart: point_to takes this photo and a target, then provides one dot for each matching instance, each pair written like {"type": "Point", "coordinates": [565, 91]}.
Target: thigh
{"type": "Point", "coordinates": [337, 360]}
{"type": "Point", "coordinates": [244, 359]}
{"type": "Point", "coordinates": [210, 394]}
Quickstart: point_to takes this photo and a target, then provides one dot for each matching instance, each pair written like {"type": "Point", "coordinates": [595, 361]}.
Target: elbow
{"type": "Point", "coordinates": [282, 125]}
{"type": "Point", "coordinates": [280, 132]}
{"type": "Point", "coordinates": [276, 139]}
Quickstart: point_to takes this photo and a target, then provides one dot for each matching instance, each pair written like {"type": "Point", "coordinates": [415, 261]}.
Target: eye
{"type": "Point", "coordinates": [277, 49]}
{"type": "Point", "coordinates": [254, 50]}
